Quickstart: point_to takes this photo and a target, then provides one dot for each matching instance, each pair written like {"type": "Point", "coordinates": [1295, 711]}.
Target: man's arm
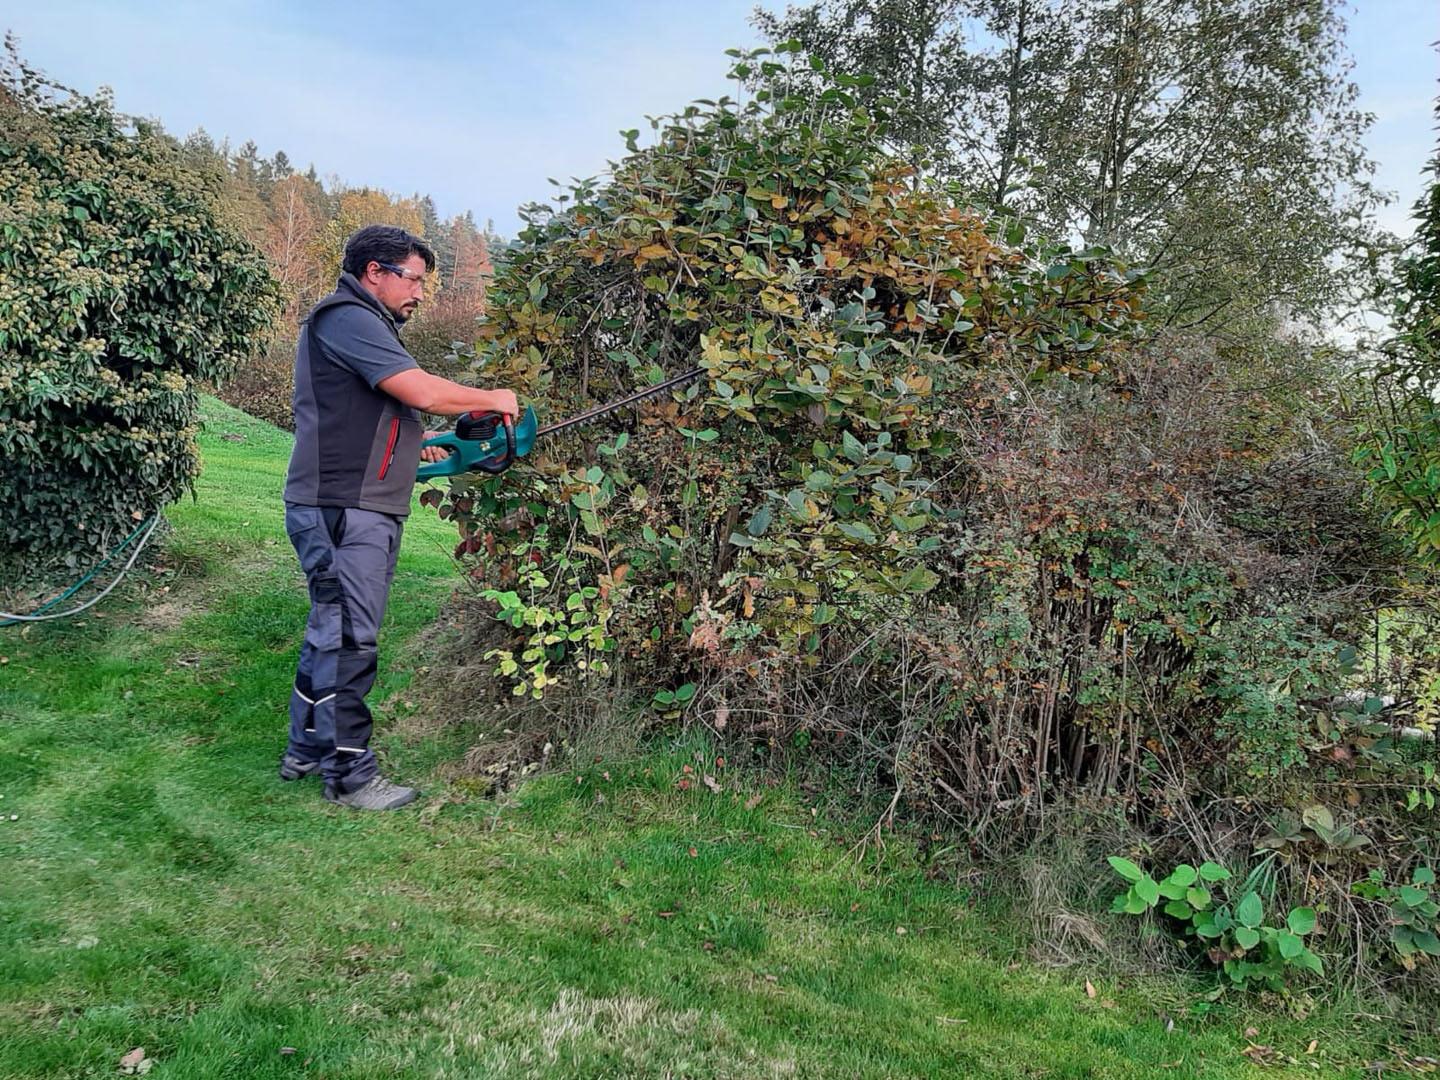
{"type": "Point", "coordinates": [432, 394]}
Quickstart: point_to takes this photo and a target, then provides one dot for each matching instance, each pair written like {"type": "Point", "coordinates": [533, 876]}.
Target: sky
{"type": "Point", "coordinates": [479, 103]}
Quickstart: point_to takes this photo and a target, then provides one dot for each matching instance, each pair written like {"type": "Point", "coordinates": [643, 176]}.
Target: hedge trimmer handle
{"type": "Point", "coordinates": [484, 425]}
{"type": "Point", "coordinates": [477, 445]}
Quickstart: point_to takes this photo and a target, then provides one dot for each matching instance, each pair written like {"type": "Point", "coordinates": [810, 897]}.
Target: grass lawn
{"type": "Point", "coordinates": [160, 888]}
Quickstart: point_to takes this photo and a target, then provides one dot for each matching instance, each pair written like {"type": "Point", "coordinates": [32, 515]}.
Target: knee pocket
{"type": "Point", "coordinates": [327, 612]}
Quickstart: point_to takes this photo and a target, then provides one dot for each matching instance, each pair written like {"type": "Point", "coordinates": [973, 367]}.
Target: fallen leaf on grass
{"type": "Point", "coordinates": [713, 784]}
{"type": "Point", "coordinates": [754, 801]}
{"type": "Point", "coordinates": [1089, 989]}
{"type": "Point", "coordinates": [135, 1063]}
{"type": "Point", "coordinates": [287, 1050]}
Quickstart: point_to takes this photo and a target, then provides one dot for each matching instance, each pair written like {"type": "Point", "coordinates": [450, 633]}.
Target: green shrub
{"type": "Point", "coordinates": [1412, 913]}
{"type": "Point", "coordinates": [119, 289]}
{"type": "Point", "coordinates": [1231, 933]}
{"type": "Point", "coordinates": [786, 502]}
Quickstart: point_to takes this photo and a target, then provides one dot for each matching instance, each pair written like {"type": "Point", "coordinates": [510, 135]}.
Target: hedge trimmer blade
{"type": "Point", "coordinates": [481, 442]}
{"type": "Point", "coordinates": [598, 411]}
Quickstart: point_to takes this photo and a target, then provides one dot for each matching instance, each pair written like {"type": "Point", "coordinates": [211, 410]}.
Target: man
{"type": "Point", "coordinates": [357, 447]}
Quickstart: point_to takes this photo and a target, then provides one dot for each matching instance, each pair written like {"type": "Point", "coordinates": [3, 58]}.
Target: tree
{"type": "Point", "coordinates": [1217, 142]}
{"type": "Point", "coordinates": [469, 266]}
{"type": "Point", "coordinates": [1404, 450]}
{"type": "Point", "coordinates": [1416, 294]}
{"type": "Point", "coordinates": [359, 207]}
{"type": "Point", "coordinates": [295, 227]}
{"type": "Point", "coordinates": [918, 45]}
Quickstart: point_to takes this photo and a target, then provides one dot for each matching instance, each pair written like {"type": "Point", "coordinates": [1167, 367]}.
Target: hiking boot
{"type": "Point", "coordinates": [378, 794]}
{"type": "Point", "coordinates": [292, 768]}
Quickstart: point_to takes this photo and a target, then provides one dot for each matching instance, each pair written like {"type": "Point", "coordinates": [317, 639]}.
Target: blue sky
{"type": "Point", "coordinates": [479, 103]}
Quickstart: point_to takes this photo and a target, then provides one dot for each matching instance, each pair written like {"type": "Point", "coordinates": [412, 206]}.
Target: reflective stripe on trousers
{"type": "Point", "coordinates": [348, 556]}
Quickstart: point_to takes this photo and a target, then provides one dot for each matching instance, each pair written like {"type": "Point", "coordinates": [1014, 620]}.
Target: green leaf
{"type": "Point", "coordinates": [1318, 817]}
{"type": "Point", "coordinates": [1250, 911]}
{"type": "Point", "coordinates": [1290, 945]}
{"type": "Point", "coordinates": [1171, 891]}
{"type": "Point", "coordinates": [1126, 869]}
{"type": "Point", "coordinates": [1247, 938]}
{"type": "Point", "coordinates": [1134, 903]}
{"type": "Point", "coordinates": [1411, 896]}
{"type": "Point", "coordinates": [857, 530]}
{"type": "Point", "coordinates": [1427, 942]}
{"type": "Point", "coordinates": [1422, 875]}
{"type": "Point", "coordinates": [1198, 898]}
{"type": "Point", "coordinates": [1309, 961]}
{"type": "Point", "coordinates": [1179, 909]}
{"type": "Point", "coordinates": [685, 692]}
{"type": "Point", "coordinates": [1148, 890]}
{"type": "Point", "coordinates": [1184, 874]}
{"type": "Point", "coordinates": [1301, 920]}
{"type": "Point", "coordinates": [1210, 871]}
{"type": "Point", "coordinates": [760, 521]}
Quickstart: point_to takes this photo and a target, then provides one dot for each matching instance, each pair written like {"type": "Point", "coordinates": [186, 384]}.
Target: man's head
{"type": "Point", "coordinates": [390, 265]}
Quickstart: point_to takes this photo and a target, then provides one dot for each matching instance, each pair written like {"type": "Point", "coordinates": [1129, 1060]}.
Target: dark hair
{"type": "Point", "coordinates": [383, 244]}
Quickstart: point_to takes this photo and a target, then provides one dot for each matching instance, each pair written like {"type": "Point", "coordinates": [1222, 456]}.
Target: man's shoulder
{"type": "Point", "coordinates": [354, 336]}
{"type": "Point", "coordinates": [346, 317]}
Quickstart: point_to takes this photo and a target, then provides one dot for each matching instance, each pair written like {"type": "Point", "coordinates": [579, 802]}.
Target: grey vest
{"type": "Point", "coordinates": [354, 445]}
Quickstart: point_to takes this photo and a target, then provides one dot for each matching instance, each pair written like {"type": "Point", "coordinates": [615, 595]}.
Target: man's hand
{"type": "Point", "coordinates": [433, 453]}
{"type": "Point", "coordinates": [506, 403]}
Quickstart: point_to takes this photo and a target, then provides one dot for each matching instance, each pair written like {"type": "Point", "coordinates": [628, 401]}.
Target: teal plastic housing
{"type": "Point", "coordinates": [490, 455]}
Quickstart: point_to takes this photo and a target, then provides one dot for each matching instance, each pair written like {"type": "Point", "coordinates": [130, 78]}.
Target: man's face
{"type": "Point", "coordinates": [400, 293]}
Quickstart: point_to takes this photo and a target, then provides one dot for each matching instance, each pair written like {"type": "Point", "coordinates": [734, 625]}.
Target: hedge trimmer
{"type": "Point", "coordinates": [482, 442]}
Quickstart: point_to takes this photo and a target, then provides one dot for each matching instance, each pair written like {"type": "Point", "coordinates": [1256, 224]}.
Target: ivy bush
{"type": "Point", "coordinates": [120, 287]}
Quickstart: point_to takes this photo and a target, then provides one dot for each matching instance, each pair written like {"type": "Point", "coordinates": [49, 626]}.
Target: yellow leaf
{"type": "Point", "coordinates": [653, 251]}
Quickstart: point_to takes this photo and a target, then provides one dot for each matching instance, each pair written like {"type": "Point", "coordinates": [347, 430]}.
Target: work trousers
{"type": "Point", "coordinates": [348, 556]}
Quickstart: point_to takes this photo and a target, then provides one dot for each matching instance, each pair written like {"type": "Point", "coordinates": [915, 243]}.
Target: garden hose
{"type": "Point", "coordinates": [8, 618]}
